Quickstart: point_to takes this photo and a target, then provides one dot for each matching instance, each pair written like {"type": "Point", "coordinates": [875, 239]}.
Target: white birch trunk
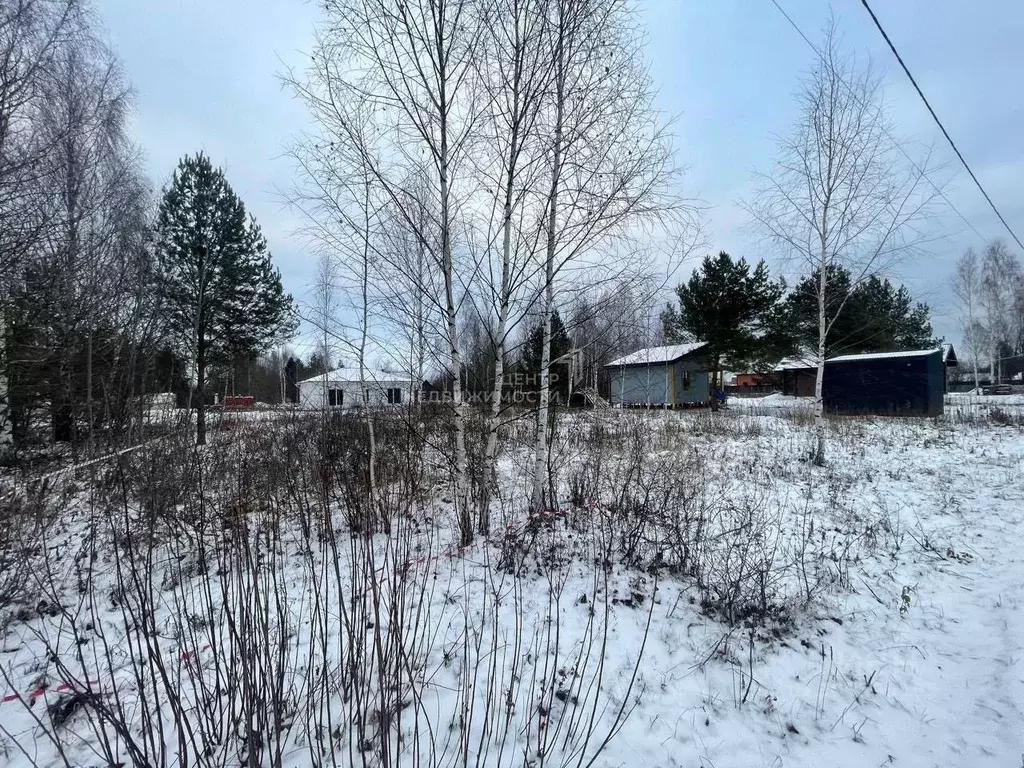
{"type": "Point", "coordinates": [540, 474]}
{"type": "Point", "coordinates": [325, 403]}
{"type": "Point", "coordinates": [819, 401]}
{"type": "Point", "coordinates": [6, 428]}
{"type": "Point", "coordinates": [421, 335]}
{"type": "Point", "coordinates": [375, 511]}
{"type": "Point", "coordinates": [463, 513]}
{"type": "Point", "coordinates": [974, 341]}
{"type": "Point", "coordinates": [505, 297]}
{"type": "Point", "coordinates": [974, 345]}
{"type": "Point", "coordinates": [494, 409]}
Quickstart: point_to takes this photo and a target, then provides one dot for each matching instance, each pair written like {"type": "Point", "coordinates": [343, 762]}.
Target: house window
{"type": "Point", "coordinates": [394, 396]}
{"type": "Point", "coordinates": [335, 397]}
{"type": "Point", "coordinates": [366, 396]}
{"type": "Point", "coordinates": [687, 381]}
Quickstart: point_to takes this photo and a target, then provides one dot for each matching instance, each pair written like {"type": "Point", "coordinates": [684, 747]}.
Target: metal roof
{"type": "Point", "coordinates": [351, 375]}
{"type": "Point", "coordinates": [796, 363]}
{"type": "Point", "coordinates": [885, 355]}
{"type": "Point", "coordinates": [657, 355]}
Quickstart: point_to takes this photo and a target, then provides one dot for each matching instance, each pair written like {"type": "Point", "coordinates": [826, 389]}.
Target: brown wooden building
{"type": "Point", "coordinates": [797, 376]}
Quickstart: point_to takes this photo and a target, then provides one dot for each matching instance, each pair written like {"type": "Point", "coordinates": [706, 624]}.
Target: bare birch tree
{"type": "Point", "coordinates": [609, 160]}
{"type": "Point", "coordinates": [409, 286]}
{"type": "Point", "coordinates": [325, 312]}
{"type": "Point", "coordinates": [967, 284]}
{"type": "Point", "coordinates": [409, 65]}
{"type": "Point", "coordinates": [337, 194]}
{"type": "Point", "coordinates": [31, 33]}
{"type": "Point", "coordinates": [1017, 324]}
{"type": "Point", "coordinates": [1000, 273]}
{"type": "Point", "coordinates": [840, 194]}
{"type": "Point", "coordinates": [514, 71]}
{"type": "Point", "coordinates": [92, 173]}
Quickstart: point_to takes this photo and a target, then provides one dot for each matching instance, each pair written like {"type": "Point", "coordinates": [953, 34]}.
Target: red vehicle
{"type": "Point", "coordinates": [238, 402]}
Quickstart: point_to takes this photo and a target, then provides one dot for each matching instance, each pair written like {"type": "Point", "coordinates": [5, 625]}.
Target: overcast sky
{"type": "Point", "coordinates": [205, 73]}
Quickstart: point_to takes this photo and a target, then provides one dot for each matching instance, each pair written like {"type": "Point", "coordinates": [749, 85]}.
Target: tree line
{"type": "Point", "coordinates": [844, 193]}
{"type": "Point", "coordinates": [490, 192]}
{"type": "Point", "coordinates": [989, 288]}
{"type": "Point", "coordinates": [103, 299]}
{"type": "Point", "coordinates": [750, 320]}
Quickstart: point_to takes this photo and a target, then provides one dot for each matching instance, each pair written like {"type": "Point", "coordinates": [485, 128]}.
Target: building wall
{"type": "Point", "coordinates": [692, 382]}
{"type": "Point", "coordinates": [640, 385]}
{"type": "Point", "coordinates": [937, 385]}
{"type": "Point", "coordinates": [751, 380]}
{"type": "Point", "coordinates": [656, 384]}
{"type": "Point", "coordinates": [799, 382]}
{"type": "Point", "coordinates": [311, 393]}
{"type": "Point", "coordinates": [886, 386]}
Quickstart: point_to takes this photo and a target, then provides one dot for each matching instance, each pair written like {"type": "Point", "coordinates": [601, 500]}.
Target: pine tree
{"type": "Point", "coordinates": [872, 316]}
{"type": "Point", "coordinates": [731, 308]}
{"type": "Point", "coordinates": [222, 296]}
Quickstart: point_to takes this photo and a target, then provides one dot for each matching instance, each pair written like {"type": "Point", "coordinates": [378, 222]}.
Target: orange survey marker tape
{"type": "Point", "coordinates": [32, 695]}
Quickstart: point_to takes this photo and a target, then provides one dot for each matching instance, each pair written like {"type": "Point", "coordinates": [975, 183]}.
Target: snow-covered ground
{"type": "Point", "coordinates": [773, 401]}
{"type": "Point", "coordinates": [894, 635]}
{"type": "Point", "coordinates": [957, 404]}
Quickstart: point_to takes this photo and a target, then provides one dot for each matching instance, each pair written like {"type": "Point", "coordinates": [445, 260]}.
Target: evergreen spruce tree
{"type": "Point", "coordinates": [222, 295]}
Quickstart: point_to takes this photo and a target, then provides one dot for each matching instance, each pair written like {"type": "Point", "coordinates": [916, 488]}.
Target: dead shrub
{"type": "Point", "coordinates": [740, 575]}
{"type": "Point", "coordinates": [26, 515]}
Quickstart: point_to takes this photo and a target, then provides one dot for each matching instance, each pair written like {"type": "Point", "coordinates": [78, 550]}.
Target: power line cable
{"type": "Point", "coordinates": [939, 122]}
{"type": "Point", "coordinates": [938, 190]}
{"type": "Point", "coordinates": [794, 25]}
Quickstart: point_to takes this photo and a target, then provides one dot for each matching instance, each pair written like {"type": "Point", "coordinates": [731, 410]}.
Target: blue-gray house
{"type": "Point", "coordinates": [669, 376]}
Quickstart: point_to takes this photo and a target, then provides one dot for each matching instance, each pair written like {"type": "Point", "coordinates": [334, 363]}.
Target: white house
{"type": "Point", "coordinates": [343, 389]}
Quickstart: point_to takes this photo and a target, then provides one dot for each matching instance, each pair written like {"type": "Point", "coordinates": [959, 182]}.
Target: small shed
{"type": "Point", "coordinates": [343, 389]}
{"type": "Point", "coordinates": [797, 375]}
{"type": "Point", "coordinates": [908, 383]}
{"type": "Point", "coordinates": [668, 376]}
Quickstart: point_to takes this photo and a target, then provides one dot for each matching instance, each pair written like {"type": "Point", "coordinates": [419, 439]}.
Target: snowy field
{"type": "Point", "coordinates": [701, 596]}
{"type": "Point", "coordinates": [957, 404]}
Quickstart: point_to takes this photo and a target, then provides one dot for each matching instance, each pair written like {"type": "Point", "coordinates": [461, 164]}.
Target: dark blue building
{"type": "Point", "coordinates": [888, 383]}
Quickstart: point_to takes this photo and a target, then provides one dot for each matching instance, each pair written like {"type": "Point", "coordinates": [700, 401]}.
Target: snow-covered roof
{"type": "Point", "coordinates": [657, 355]}
{"type": "Point", "coordinates": [949, 355]}
{"type": "Point", "coordinates": [796, 363]}
{"type": "Point", "coordinates": [352, 375]}
{"type": "Point", "coordinates": [884, 355]}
